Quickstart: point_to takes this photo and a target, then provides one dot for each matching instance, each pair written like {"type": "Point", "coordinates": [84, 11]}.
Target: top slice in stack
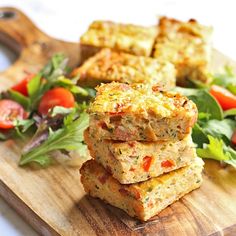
{"type": "Point", "coordinates": [140, 112]}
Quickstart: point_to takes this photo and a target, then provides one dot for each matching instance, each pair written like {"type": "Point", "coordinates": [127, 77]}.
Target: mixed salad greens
{"type": "Point", "coordinates": [48, 107]}
{"type": "Point", "coordinates": [51, 109]}
{"type": "Point", "coordinates": [214, 133]}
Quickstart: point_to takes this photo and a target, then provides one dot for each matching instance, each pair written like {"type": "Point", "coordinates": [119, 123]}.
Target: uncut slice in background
{"type": "Point", "coordinates": [107, 66]}
{"type": "Point", "coordinates": [133, 39]}
{"type": "Point", "coordinates": [187, 45]}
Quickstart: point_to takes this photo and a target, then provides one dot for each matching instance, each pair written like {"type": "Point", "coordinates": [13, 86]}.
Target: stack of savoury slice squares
{"type": "Point", "coordinates": [143, 156]}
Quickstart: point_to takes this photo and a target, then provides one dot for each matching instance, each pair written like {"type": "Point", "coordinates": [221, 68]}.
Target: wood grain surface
{"type": "Point", "coordinates": [33, 47]}
{"type": "Point", "coordinates": [52, 200]}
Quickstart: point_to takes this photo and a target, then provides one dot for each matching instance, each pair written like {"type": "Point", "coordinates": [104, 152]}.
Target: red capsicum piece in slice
{"type": "Point", "coordinates": [147, 160]}
{"type": "Point", "coordinates": [132, 169]}
{"type": "Point", "coordinates": [167, 163]}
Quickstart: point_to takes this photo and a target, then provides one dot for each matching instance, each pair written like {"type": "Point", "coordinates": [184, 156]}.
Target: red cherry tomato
{"type": "Point", "coordinates": [21, 87]}
{"type": "Point", "coordinates": [9, 112]}
{"type": "Point", "coordinates": [226, 99]}
{"type": "Point", "coordinates": [147, 163]}
{"type": "Point", "coordinates": [56, 97]}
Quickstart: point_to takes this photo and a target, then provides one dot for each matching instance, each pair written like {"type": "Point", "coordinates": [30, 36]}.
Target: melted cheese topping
{"type": "Point", "coordinates": [138, 98]}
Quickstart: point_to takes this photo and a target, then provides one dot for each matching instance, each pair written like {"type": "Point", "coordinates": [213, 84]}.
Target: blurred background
{"type": "Point", "coordinates": [68, 19]}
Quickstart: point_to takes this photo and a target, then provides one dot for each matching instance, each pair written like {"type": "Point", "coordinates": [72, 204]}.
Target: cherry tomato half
{"type": "Point", "coordinates": [21, 87]}
{"type": "Point", "coordinates": [226, 99]}
{"type": "Point", "coordinates": [56, 97]}
{"type": "Point", "coordinates": [9, 112]}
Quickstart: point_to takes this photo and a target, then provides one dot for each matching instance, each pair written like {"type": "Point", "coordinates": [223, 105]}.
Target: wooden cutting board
{"type": "Point", "coordinates": [32, 46]}
{"type": "Point", "coordinates": [52, 200]}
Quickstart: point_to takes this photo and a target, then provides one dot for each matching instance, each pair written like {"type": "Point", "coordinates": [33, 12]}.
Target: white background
{"type": "Point", "coordinates": [69, 19]}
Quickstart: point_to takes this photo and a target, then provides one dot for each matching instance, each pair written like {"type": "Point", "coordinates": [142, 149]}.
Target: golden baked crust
{"type": "Point", "coordinates": [107, 66]}
{"type": "Point", "coordinates": [142, 200]}
{"type": "Point", "coordinates": [187, 45]}
{"type": "Point", "coordinates": [132, 162]}
{"type": "Point", "coordinates": [128, 38]}
{"type": "Point", "coordinates": [140, 112]}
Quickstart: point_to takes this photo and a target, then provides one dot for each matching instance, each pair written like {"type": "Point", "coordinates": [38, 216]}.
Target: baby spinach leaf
{"type": "Point", "coordinates": [204, 101]}
{"type": "Point", "coordinates": [222, 129]}
{"type": "Point", "coordinates": [199, 136]}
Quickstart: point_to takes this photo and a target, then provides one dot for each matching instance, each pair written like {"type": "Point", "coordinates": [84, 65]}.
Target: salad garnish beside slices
{"type": "Point", "coordinates": [215, 131]}
{"type": "Point", "coordinates": [47, 110]}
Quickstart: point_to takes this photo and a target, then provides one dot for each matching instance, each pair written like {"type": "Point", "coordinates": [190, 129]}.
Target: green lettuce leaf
{"type": "Point", "coordinates": [67, 138]}
{"type": "Point", "coordinates": [230, 112]}
{"type": "Point", "coordinates": [213, 150]}
{"type": "Point", "coordinates": [21, 99]}
{"type": "Point", "coordinates": [216, 149]}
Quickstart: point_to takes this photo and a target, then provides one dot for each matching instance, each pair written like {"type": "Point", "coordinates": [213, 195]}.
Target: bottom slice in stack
{"type": "Point", "coordinates": [145, 199]}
